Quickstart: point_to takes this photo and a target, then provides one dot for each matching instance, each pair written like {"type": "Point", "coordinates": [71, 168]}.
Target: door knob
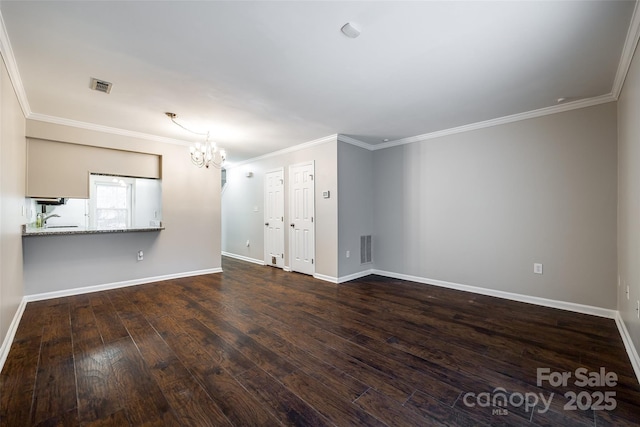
{"type": "Point", "coordinates": [266, 223]}
{"type": "Point", "coordinates": [292, 225]}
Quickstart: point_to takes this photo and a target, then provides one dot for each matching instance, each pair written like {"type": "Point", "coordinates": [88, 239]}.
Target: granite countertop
{"type": "Point", "coordinates": [57, 231]}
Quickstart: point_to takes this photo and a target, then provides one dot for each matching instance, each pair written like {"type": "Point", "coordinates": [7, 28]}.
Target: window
{"type": "Point", "coordinates": [111, 202]}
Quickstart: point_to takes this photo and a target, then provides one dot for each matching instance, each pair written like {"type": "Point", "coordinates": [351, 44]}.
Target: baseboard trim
{"type": "Point", "coordinates": [326, 278]}
{"type": "Point", "coordinates": [343, 279]}
{"type": "Point", "coordinates": [243, 258]}
{"type": "Point", "coordinates": [562, 305]}
{"type": "Point", "coordinates": [354, 276]}
{"type": "Point", "coordinates": [115, 285]}
{"type": "Point", "coordinates": [628, 345]}
{"type": "Point", "coordinates": [11, 333]}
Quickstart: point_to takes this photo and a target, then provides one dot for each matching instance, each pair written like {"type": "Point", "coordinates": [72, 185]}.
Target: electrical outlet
{"type": "Point", "coordinates": [348, 254]}
{"type": "Point", "coordinates": [537, 268]}
{"type": "Point", "coordinates": [140, 255]}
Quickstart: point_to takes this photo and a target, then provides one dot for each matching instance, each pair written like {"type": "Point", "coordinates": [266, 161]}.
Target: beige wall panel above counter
{"type": "Point", "coordinates": [59, 169]}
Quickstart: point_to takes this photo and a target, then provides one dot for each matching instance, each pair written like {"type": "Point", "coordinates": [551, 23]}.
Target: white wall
{"type": "Point", "coordinates": [355, 205]}
{"type": "Point", "coordinates": [629, 200]}
{"type": "Point", "coordinates": [12, 188]}
{"type": "Point", "coordinates": [191, 214]}
{"type": "Point", "coordinates": [242, 196]}
{"type": "Point", "coordinates": [480, 208]}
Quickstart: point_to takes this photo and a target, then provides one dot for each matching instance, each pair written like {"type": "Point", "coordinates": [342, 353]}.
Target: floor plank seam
{"type": "Point", "coordinates": [362, 394]}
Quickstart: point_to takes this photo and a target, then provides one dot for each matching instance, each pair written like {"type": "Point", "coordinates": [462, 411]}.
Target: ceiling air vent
{"type": "Point", "coordinates": [100, 85]}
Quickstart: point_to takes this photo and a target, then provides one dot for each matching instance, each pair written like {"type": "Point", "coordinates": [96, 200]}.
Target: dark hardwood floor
{"type": "Point", "coordinates": [258, 346]}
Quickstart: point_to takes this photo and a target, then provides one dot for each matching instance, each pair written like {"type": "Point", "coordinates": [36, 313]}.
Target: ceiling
{"type": "Point", "coordinates": [263, 76]}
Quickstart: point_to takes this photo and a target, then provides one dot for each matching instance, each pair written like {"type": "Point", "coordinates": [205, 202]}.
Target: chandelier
{"type": "Point", "coordinates": [203, 153]}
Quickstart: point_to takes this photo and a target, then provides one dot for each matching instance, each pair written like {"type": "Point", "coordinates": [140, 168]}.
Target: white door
{"type": "Point", "coordinates": [274, 218]}
{"type": "Point", "coordinates": [301, 217]}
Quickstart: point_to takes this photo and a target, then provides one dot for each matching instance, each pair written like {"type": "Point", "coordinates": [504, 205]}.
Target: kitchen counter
{"type": "Point", "coordinates": [57, 231]}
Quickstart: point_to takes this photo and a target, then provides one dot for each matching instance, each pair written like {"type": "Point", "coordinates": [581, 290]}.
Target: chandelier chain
{"type": "Point", "coordinates": [202, 154]}
{"type": "Point", "coordinates": [173, 116]}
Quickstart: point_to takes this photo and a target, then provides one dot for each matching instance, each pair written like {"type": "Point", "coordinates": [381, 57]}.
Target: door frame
{"type": "Point", "coordinates": [312, 163]}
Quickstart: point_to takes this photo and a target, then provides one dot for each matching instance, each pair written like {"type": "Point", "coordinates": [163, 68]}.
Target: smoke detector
{"type": "Point", "coordinates": [350, 30]}
{"type": "Point", "coordinates": [100, 85]}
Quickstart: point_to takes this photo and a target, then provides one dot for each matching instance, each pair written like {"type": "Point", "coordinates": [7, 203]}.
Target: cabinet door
{"type": "Point", "coordinates": [59, 169]}
{"type": "Point", "coordinates": [56, 170]}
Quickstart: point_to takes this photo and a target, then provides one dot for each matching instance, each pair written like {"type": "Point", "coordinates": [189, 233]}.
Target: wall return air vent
{"type": "Point", "coordinates": [365, 249]}
{"type": "Point", "coordinates": [100, 85]}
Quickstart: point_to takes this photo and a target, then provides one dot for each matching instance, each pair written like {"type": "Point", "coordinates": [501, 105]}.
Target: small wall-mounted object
{"type": "Point", "coordinates": [326, 194]}
{"type": "Point", "coordinates": [537, 268]}
{"type": "Point", "coordinates": [249, 174]}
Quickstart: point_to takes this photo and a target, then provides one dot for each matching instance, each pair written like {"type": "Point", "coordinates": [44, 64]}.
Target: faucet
{"type": "Point", "coordinates": [44, 220]}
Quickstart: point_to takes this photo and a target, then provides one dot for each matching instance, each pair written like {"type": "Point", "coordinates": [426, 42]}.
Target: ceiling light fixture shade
{"type": "Point", "coordinates": [203, 154]}
{"type": "Point", "coordinates": [350, 30]}
{"type": "Point", "coordinates": [207, 154]}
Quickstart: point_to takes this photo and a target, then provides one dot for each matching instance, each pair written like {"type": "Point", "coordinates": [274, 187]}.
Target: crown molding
{"type": "Point", "coordinates": [631, 42]}
{"type": "Point", "coordinates": [12, 68]}
{"type": "Point", "coordinates": [628, 50]}
{"type": "Point", "coordinates": [103, 129]}
{"type": "Point", "coordinates": [298, 147]}
{"type": "Point", "coordinates": [582, 103]}
{"type": "Point", "coordinates": [356, 142]}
